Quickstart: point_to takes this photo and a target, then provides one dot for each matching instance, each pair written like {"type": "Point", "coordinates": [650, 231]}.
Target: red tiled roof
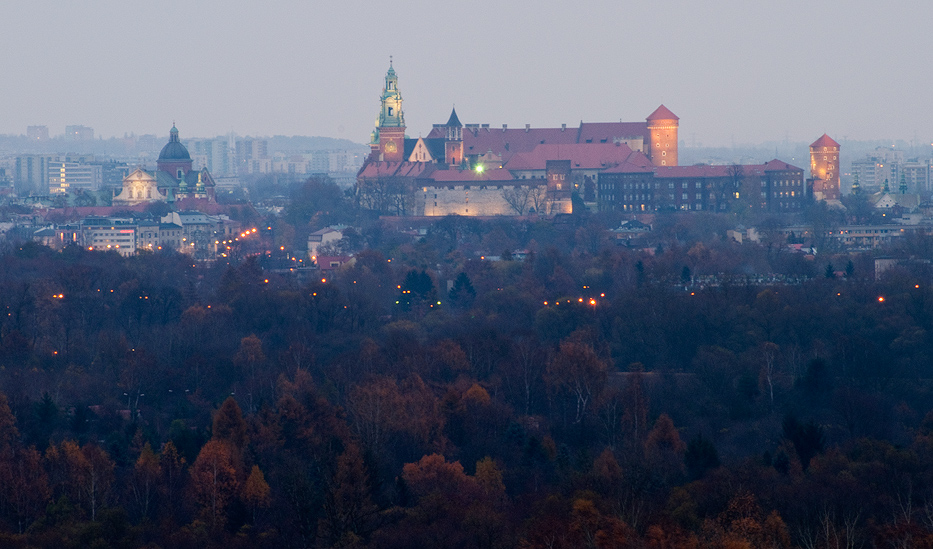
{"type": "Point", "coordinates": [824, 141]}
{"type": "Point", "coordinates": [515, 140]}
{"type": "Point", "coordinates": [506, 142]}
{"type": "Point", "coordinates": [587, 156]}
{"type": "Point", "coordinates": [471, 176]}
{"type": "Point", "coordinates": [662, 113]}
{"type": "Point", "coordinates": [392, 169]}
{"type": "Point", "coordinates": [595, 132]}
{"type": "Point", "coordinates": [700, 170]}
{"type": "Point", "coordinates": [636, 162]}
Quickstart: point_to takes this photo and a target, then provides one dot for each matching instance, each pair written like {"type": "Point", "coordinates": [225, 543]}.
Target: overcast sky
{"type": "Point", "coordinates": [734, 71]}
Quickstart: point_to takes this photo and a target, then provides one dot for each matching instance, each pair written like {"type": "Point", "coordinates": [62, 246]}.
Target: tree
{"type": "Point", "coordinates": [349, 513]}
{"type": "Point", "coordinates": [250, 359]}
{"type": "Point", "coordinates": [229, 425]}
{"type": "Point", "coordinates": [808, 438]}
{"type": "Point", "coordinates": [256, 492]}
{"type": "Point", "coordinates": [665, 450]}
{"type": "Point", "coordinates": [214, 481]}
{"type": "Point", "coordinates": [517, 197]}
{"type": "Point", "coordinates": [462, 293]}
{"type": "Point", "coordinates": [89, 474]}
{"type": "Point", "coordinates": [146, 475]}
{"type": "Point", "coordinates": [24, 487]}
{"type": "Point", "coordinates": [700, 457]}
{"type": "Point", "coordinates": [769, 366]}
{"type": "Point", "coordinates": [578, 371]}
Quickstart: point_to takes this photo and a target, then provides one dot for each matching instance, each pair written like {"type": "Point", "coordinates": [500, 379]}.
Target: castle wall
{"type": "Point", "coordinates": [477, 200]}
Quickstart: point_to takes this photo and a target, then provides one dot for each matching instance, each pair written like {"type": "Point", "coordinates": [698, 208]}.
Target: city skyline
{"type": "Point", "coordinates": [736, 73]}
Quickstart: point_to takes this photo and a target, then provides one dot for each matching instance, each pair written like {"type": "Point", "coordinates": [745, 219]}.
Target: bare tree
{"type": "Point", "coordinates": [517, 198]}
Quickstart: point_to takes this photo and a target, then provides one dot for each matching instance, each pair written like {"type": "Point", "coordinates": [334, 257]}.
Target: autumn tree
{"type": "Point", "coordinates": [349, 513]}
{"type": "Point", "coordinates": [229, 425]}
{"type": "Point", "coordinates": [664, 449]}
{"type": "Point", "coordinates": [577, 371]}
{"type": "Point", "coordinates": [251, 361]}
{"type": "Point", "coordinates": [146, 473]}
{"type": "Point", "coordinates": [214, 481]}
{"type": "Point", "coordinates": [88, 474]}
{"type": "Point", "coordinates": [256, 492]}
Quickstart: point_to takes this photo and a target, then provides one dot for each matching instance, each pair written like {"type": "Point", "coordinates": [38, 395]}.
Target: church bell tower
{"type": "Point", "coordinates": [390, 126]}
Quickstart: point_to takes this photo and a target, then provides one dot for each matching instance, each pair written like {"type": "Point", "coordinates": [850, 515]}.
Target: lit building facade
{"type": "Point", "coordinates": [824, 168]}
{"type": "Point", "coordinates": [174, 178]}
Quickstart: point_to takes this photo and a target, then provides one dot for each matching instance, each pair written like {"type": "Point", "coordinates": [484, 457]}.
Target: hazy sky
{"type": "Point", "coordinates": [742, 71]}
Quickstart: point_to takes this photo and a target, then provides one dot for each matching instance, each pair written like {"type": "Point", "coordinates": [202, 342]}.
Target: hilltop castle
{"type": "Point", "coordinates": [477, 170]}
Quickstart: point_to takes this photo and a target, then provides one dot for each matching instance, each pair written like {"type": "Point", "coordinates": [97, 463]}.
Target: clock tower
{"type": "Point", "coordinates": [389, 138]}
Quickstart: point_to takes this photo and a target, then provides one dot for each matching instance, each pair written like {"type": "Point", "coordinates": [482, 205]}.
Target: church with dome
{"type": "Point", "coordinates": [173, 179]}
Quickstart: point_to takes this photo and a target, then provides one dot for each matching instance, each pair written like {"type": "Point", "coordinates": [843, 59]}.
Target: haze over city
{"type": "Point", "coordinates": [735, 72]}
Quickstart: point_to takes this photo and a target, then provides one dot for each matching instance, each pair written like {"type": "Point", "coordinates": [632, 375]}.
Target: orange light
{"type": "Point", "coordinates": [545, 302]}
{"type": "Point", "coordinates": [592, 302]}
{"type": "Point", "coordinates": [916, 286]}
{"type": "Point", "coordinates": [267, 281]}
{"type": "Point", "coordinates": [323, 280]}
{"type": "Point", "coordinates": [580, 300]}
{"type": "Point", "coordinates": [880, 299]}
{"type": "Point", "coordinates": [602, 295]}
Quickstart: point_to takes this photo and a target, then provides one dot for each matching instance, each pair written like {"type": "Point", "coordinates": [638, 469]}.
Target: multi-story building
{"type": "Point", "coordinates": [916, 174]}
{"type": "Point", "coordinates": [70, 177]}
{"type": "Point", "coordinates": [213, 154]}
{"type": "Point", "coordinates": [774, 186]}
{"type": "Point", "coordinates": [79, 133]}
{"type": "Point", "coordinates": [880, 167]}
{"type": "Point", "coordinates": [108, 234]}
{"type": "Point", "coordinates": [37, 133]}
{"type": "Point", "coordinates": [31, 175]}
{"type": "Point", "coordinates": [252, 156]}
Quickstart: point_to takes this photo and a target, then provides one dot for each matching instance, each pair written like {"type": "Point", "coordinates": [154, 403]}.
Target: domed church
{"type": "Point", "coordinates": [172, 180]}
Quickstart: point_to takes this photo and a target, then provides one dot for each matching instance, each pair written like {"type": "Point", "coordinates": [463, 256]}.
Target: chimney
{"type": "Point", "coordinates": [527, 127]}
{"type": "Point", "coordinates": [505, 127]}
{"type": "Point", "coordinates": [563, 127]}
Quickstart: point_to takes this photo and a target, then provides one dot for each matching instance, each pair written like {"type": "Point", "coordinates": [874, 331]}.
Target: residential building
{"type": "Point", "coordinates": [79, 133]}
{"type": "Point", "coordinates": [31, 175]}
{"type": "Point", "coordinates": [37, 133]}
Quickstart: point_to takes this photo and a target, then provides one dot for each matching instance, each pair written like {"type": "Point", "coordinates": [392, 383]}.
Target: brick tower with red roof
{"type": "Point", "coordinates": [662, 130]}
{"type": "Point", "coordinates": [824, 168]}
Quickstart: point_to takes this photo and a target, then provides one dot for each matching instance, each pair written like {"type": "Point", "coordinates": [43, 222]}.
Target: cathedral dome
{"type": "Point", "coordinates": [174, 150]}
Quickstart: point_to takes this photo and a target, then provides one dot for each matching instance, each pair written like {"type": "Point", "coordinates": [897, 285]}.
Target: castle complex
{"type": "Point", "coordinates": [477, 170]}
